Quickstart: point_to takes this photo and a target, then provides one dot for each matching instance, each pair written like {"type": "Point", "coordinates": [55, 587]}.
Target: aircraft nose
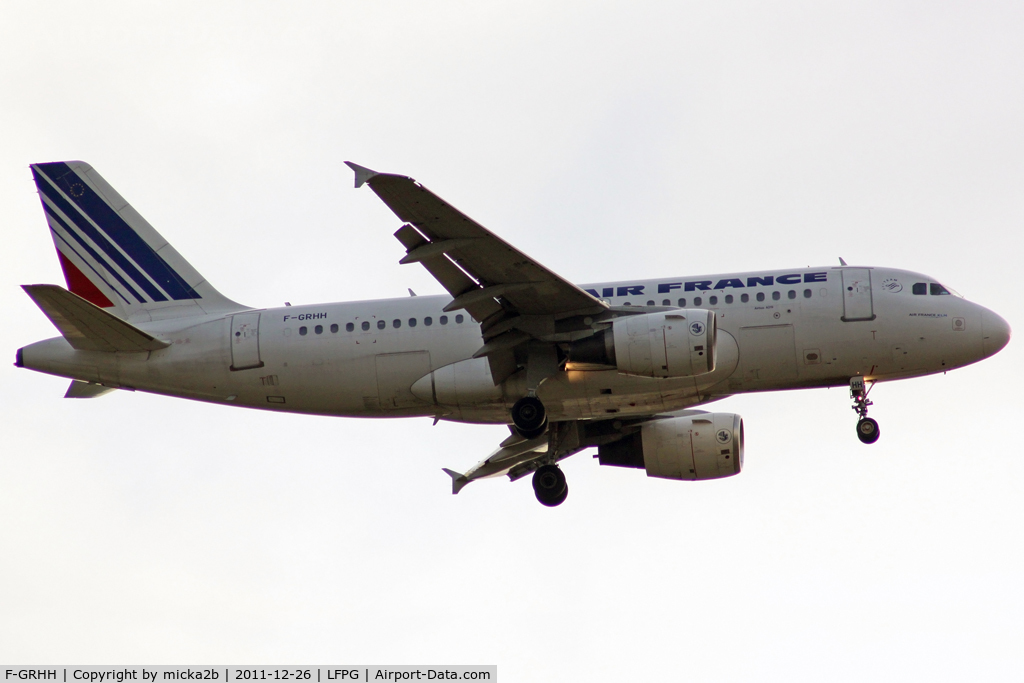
{"type": "Point", "coordinates": [995, 332]}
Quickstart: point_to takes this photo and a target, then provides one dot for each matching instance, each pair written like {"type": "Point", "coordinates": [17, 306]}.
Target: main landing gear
{"type": "Point", "coordinates": [867, 429]}
{"type": "Point", "coordinates": [549, 485]}
{"type": "Point", "coordinates": [529, 417]}
{"type": "Point", "coordinates": [530, 420]}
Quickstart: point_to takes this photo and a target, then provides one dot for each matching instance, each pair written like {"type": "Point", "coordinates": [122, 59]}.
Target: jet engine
{"type": "Point", "coordinates": [678, 343]}
{"type": "Point", "coordinates": [696, 446]}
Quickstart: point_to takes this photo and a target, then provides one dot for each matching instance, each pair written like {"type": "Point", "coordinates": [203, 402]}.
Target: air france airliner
{"type": "Point", "coordinates": [616, 366]}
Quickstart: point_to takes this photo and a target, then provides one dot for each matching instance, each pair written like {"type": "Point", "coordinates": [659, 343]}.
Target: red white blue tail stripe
{"type": "Point", "coordinates": [86, 225]}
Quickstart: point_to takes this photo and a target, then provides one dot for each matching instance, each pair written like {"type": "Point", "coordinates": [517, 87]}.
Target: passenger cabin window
{"type": "Point", "coordinates": [713, 300]}
{"type": "Point", "coordinates": [666, 302]}
{"type": "Point", "coordinates": [728, 298]}
{"type": "Point", "coordinates": [920, 288]}
{"type": "Point", "coordinates": [760, 296]}
{"type": "Point", "coordinates": [350, 327]}
{"type": "Point", "coordinates": [428, 321]}
{"type": "Point", "coordinates": [443, 320]}
{"type": "Point", "coordinates": [936, 289]}
{"type": "Point", "coordinates": [744, 298]}
{"type": "Point", "coordinates": [682, 303]}
{"type": "Point", "coordinates": [650, 302]}
{"type": "Point", "coordinates": [303, 331]}
{"type": "Point", "coordinates": [396, 323]}
{"type": "Point", "coordinates": [319, 329]}
{"type": "Point", "coordinates": [807, 294]}
{"type": "Point", "coordinates": [776, 296]}
{"type": "Point", "coordinates": [334, 328]}
{"type": "Point", "coordinates": [412, 322]}
{"type": "Point", "coordinates": [366, 325]}
{"type": "Point", "coordinates": [697, 301]}
{"type": "Point", "coordinates": [792, 294]}
{"type": "Point", "coordinates": [381, 324]}
{"type": "Point", "coordinates": [459, 319]}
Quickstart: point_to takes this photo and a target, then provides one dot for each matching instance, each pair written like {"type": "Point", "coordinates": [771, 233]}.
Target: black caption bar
{"type": "Point", "coordinates": [230, 674]}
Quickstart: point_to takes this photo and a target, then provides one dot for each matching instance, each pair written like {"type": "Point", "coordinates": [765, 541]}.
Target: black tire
{"type": "Point", "coordinates": [557, 500]}
{"type": "Point", "coordinates": [529, 416]}
{"type": "Point", "coordinates": [548, 478]}
{"type": "Point", "coordinates": [533, 433]}
{"type": "Point", "coordinates": [549, 485]}
{"type": "Point", "coordinates": [867, 430]}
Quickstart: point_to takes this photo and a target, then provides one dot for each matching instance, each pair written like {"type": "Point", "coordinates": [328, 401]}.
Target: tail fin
{"type": "Point", "coordinates": [111, 256]}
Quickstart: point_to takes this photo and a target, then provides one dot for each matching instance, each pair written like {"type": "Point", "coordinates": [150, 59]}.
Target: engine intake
{"type": "Point", "coordinates": [699, 446]}
{"type": "Point", "coordinates": [678, 343]}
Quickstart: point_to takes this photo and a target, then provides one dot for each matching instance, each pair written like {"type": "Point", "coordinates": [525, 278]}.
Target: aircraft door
{"type": "Point", "coordinates": [857, 303]}
{"type": "Point", "coordinates": [245, 341]}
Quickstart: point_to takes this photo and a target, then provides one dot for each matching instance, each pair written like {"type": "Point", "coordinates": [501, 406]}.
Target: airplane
{"type": "Point", "coordinates": [616, 366]}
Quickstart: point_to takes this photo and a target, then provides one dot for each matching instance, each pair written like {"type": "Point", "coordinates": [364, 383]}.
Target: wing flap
{"type": "Point", "coordinates": [88, 327]}
{"type": "Point", "coordinates": [451, 277]}
{"type": "Point", "coordinates": [446, 235]}
{"type": "Point", "coordinates": [501, 461]}
{"type": "Point", "coordinates": [79, 389]}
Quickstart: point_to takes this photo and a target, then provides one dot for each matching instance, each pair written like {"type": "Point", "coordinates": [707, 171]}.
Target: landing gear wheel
{"type": "Point", "coordinates": [867, 430]}
{"type": "Point", "coordinates": [529, 417]}
{"type": "Point", "coordinates": [549, 485]}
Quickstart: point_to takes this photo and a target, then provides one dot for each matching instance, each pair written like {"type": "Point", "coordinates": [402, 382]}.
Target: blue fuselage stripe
{"type": "Point", "coordinates": [92, 252]}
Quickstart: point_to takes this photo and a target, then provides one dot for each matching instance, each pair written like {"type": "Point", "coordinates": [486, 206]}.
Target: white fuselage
{"type": "Point", "coordinates": [777, 330]}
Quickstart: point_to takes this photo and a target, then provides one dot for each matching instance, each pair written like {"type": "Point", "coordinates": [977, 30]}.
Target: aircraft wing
{"type": "Point", "coordinates": [512, 452]}
{"type": "Point", "coordinates": [483, 273]}
{"type": "Point", "coordinates": [517, 456]}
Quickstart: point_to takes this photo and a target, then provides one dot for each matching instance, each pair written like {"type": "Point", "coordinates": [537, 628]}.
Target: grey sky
{"type": "Point", "coordinates": [608, 141]}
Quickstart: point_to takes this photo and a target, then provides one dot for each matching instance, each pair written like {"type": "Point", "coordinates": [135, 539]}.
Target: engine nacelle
{"type": "Point", "coordinates": [699, 446]}
{"type": "Point", "coordinates": [678, 343]}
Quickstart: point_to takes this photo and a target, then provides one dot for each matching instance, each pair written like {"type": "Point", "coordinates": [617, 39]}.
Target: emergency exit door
{"type": "Point", "coordinates": [857, 303]}
{"type": "Point", "coordinates": [245, 341]}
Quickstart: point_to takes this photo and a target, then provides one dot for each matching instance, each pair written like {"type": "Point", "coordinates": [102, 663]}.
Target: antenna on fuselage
{"type": "Point", "coordinates": [841, 261]}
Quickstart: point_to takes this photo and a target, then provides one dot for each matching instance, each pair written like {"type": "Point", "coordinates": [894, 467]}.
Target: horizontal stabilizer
{"type": "Point", "coordinates": [86, 326]}
{"type": "Point", "coordinates": [87, 390]}
{"type": "Point", "coordinates": [458, 480]}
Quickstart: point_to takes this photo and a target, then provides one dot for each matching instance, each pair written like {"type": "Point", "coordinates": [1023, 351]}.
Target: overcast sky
{"type": "Point", "coordinates": [609, 141]}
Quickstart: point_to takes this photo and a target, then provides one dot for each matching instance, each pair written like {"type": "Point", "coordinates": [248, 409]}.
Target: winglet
{"type": "Point", "coordinates": [362, 173]}
{"type": "Point", "coordinates": [458, 480]}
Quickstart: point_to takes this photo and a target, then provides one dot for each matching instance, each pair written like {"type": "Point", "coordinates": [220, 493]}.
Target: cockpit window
{"type": "Point", "coordinates": [936, 288]}
{"type": "Point", "coordinates": [920, 288]}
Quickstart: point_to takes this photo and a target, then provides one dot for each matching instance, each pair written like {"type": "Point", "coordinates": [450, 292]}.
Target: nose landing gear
{"type": "Point", "coordinates": [867, 429]}
{"type": "Point", "coordinates": [549, 485]}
